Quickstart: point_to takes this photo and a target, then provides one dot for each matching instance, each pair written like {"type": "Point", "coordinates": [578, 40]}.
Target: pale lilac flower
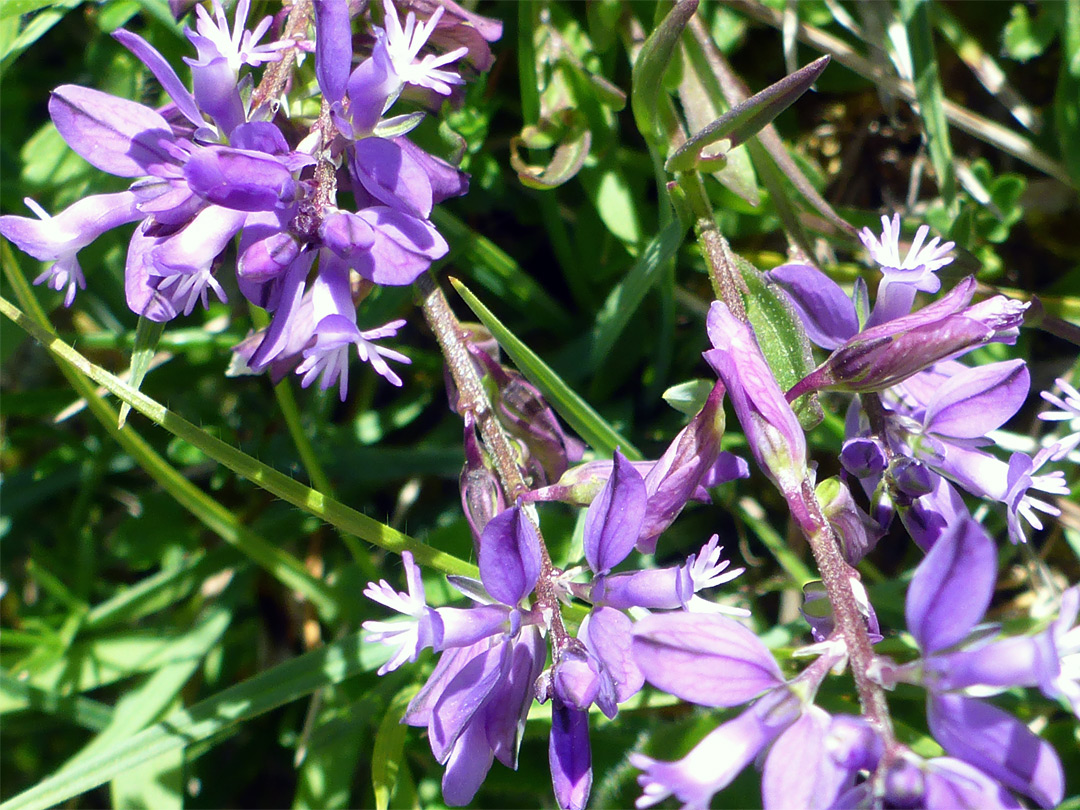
{"type": "Point", "coordinates": [239, 46]}
{"type": "Point", "coordinates": [920, 263]}
{"type": "Point", "coordinates": [60, 238]}
{"type": "Point", "coordinates": [403, 46]}
{"type": "Point", "coordinates": [1069, 411]}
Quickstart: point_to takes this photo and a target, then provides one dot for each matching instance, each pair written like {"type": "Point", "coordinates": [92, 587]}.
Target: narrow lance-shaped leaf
{"type": "Point", "coordinates": [147, 335]}
{"type": "Point", "coordinates": [651, 64]}
{"type": "Point", "coordinates": [748, 117]}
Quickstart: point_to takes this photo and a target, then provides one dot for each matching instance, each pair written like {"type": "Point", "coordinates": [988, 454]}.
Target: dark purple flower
{"type": "Point", "coordinates": [882, 356]}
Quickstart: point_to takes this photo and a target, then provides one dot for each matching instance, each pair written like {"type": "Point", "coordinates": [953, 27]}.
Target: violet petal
{"type": "Point", "coordinates": [827, 313]}
{"type": "Point", "coordinates": [569, 756]}
{"type": "Point", "coordinates": [706, 659]}
{"type": "Point", "coordinates": [112, 134]}
{"type": "Point", "coordinates": [999, 745]}
{"type": "Point", "coordinates": [952, 586]}
{"type": "Point", "coordinates": [510, 556]}
{"type": "Point", "coordinates": [613, 520]}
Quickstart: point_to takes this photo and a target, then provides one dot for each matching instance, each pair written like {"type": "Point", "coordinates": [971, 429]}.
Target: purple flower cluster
{"type": "Point", "coordinates": [813, 759]}
{"type": "Point", "coordinates": [492, 660]}
{"type": "Point", "coordinates": [936, 412]}
{"type": "Point", "coordinates": [210, 166]}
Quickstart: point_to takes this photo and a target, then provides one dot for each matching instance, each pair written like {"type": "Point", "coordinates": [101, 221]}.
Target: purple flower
{"type": "Point", "coordinates": [882, 356]}
{"type": "Point", "coordinates": [715, 761]}
{"type": "Point", "coordinates": [902, 279]}
{"type": "Point", "coordinates": [772, 429]}
{"type": "Point", "coordinates": [948, 595]}
{"type": "Point", "coordinates": [59, 239]}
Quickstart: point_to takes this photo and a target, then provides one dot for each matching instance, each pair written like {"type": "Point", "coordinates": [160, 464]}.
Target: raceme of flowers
{"type": "Point", "coordinates": [652, 626]}
{"type": "Point", "coordinates": [212, 165]}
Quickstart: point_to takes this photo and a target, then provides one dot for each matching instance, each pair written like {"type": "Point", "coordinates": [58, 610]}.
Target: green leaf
{"type": "Point", "coordinates": [1024, 38]}
{"type": "Point", "coordinates": [782, 340]}
{"type": "Point", "coordinates": [386, 758]}
{"type": "Point", "coordinates": [748, 117]}
{"type": "Point", "coordinates": [626, 297]}
{"type": "Point", "coordinates": [920, 32]}
{"type": "Point", "coordinates": [688, 397]}
{"type": "Point", "coordinates": [216, 715]}
{"type": "Point", "coordinates": [18, 695]}
{"type": "Point", "coordinates": [578, 414]}
{"type": "Point", "coordinates": [647, 79]}
{"type": "Point", "coordinates": [147, 335]}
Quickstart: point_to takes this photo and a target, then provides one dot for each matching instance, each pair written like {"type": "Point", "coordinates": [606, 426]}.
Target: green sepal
{"type": "Point", "coordinates": [782, 339]}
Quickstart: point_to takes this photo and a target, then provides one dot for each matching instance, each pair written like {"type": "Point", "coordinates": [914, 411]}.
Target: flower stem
{"type": "Point", "coordinates": [277, 74]}
{"type": "Point", "coordinates": [836, 575]}
{"type": "Point", "coordinates": [474, 399]}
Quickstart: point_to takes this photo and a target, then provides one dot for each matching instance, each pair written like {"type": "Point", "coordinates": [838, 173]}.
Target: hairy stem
{"type": "Point", "coordinates": [836, 575]}
{"type": "Point", "coordinates": [474, 399]}
{"type": "Point", "coordinates": [277, 73]}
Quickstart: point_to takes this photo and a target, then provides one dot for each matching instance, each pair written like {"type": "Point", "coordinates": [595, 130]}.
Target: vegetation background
{"type": "Point", "coordinates": [180, 627]}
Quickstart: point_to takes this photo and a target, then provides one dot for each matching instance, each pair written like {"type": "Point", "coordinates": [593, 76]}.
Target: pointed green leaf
{"type": "Point", "coordinates": [748, 117]}
{"type": "Point", "coordinates": [579, 415]}
{"type": "Point", "coordinates": [147, 335]}
{"type": "Point", "coordinates": [920, 33]}
{"type": "Point", "coordinates": [650, 65]}
{"type": "Point", "coordinates": [782, 339]}
{"type": "Point", "coordinates": [386, 756]}
{"type": "Point", "coordinates": [627, 296]}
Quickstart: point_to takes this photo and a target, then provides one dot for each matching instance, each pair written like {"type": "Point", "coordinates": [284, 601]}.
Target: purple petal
{"type": "Point", "coordinates": [569, 756]}
{"type": "Point", "coordinates": [798, 770]}
{"type": "Point", "coordinates": [510, 556]}
{"type": "Point", "coordinates": [345, 233]}
{"type": "Point", "coordinates": [950, 783]}
{"type": "Point", "coordinates": [613, 520]}
{"type": "Point", "coordinates": [505, 714]}
{"type": "Point", "coordinates": [259, 136]}
{"type": "Point", "coordinates": [952, 586]}
{"type": "Point", "coordinates": [997, 744]}
{"type": "Point", "coordinates": [281, 332]}
{"type": "Point", "coordinates": [73, 228]}
{"type": "Point", "coordinates": [216, 93]}
{"type": "Point", "coordinates": [468, 764]}
{"type": "Point", "coordinates": [143, 298]}
{"type": "Point", "coordinates": [464, 696]}
{"type": "Point", "coordinates": [609, 635]}
{"type": "Point", "coordinates": [446, 180]}
{"type": "Point", "coordinates": [715, 761]}
{"type": "Point", "coordinates": [974, 402]}
{"type": "Point", "coordinates": [392, 176]}
{"type": "Point", "coordinates": [333, 47]}
{"type": "Point", "coordinates": [827, 312]}
{"type": "Point", "coordinates": [404, 247]}
{"type": "Point", "coordinates": [163, 72]}
{"type": "Point", "coordinates": [113, 134]}
{"type": "Point", "coordinates": [706, 659]}
{"type": "Point", "coordinates": [239, 179]}
{"type": "Point", "coordinates": [771, 427]}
